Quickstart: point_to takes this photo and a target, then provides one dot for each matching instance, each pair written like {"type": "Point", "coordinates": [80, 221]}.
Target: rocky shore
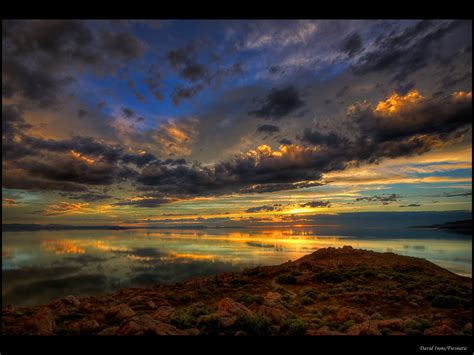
{"type": "Point", "coordinates": [332, 291]}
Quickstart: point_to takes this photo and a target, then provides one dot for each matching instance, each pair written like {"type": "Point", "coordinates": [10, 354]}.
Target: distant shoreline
{"type": "Point", "coordinates": [461, 227]}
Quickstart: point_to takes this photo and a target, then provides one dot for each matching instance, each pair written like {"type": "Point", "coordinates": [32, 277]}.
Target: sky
{"type": "Point", "coordinates": [188, 122]}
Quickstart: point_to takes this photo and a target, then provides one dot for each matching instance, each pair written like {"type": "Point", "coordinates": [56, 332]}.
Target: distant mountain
{"type": "Point", "coordinates": [462, 227]}
{"type": "Point", "coordinates": [15, 227]}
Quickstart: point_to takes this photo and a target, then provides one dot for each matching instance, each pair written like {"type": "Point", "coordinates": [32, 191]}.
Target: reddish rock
{"type": "Point", "coordinates": [85, 326]}
{"type": "Point", "coordinates": [163, 313]}
{"type": "Point", "coordinates": [276, 313]}
{"type": "Point", "coordinates": [228, 310]}
{"type": "Point", "coordinates": [227, 306]}
{"type": "Point", "coordinates": [240, 333]}
{"type": "Point", "coordinates": [71, 300]}
{"type": "Point", "coordinates": [121, 312]}
{"type": "Point", "coordinates": [323, 331]}
{"type": "Point", "coordinates": [151, 304]}
{"type": "Point", "coordinates": [272, 297]}
{"type": "Point", "coordinates": [439, 330]}
{"type": "Point", "coordinates": [365, 328]}
{"type": "Point", "coordinates": [41, 322]}
{"type": "Point", "coordinates": [344, 314]}
{"type": "Point", "coordinates": [109, 331]}
{"type": "Point", "coordinates": [145, 324]}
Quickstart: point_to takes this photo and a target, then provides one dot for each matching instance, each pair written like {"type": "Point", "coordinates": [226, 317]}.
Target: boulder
{"type": "Point", "coordinates": [120, 312]}
{"type": "Point", "coordinates": [276, 313]}
{"type": "Point", "coordinates": [41, 322]}
{"type": "Point", "coordinates": [272, 297]}
{"type": "Point", "coordinates": [109, 331]}
{"type": "Point", "coordinates": [365, 328]}
{"type": "Point", "coordinates": [344, 314]}
{"type": "Point", "coordinates": [145, 324]}
{"type": "Point", "coordinates": [439, 330]}
{"type": "Point", "coordinates": [163, 313]}
{"type": "Point", "coordinates": [228, 310]}
{"type": "Point", "coordinates": [71, 300]}
{"type": "Point", "coordinates": [323, 331]}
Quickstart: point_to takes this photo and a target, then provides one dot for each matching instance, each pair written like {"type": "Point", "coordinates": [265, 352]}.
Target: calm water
{"type": "Point", "coordinates": [40, 266]}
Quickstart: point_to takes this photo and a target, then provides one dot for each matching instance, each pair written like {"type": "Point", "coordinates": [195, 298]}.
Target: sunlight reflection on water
{"type": "Point", "coordinates": [40, 266]}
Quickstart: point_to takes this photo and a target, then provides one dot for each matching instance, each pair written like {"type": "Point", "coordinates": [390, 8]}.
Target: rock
{"type": "Point", "coordinates": [145, 324]}
{"type": "Point", "coordinates": [240, 333]}
{"type": "Point", "coordinates": [396, 333]}
{"type": "Point", "coordinates": [85, 326]}
{"type": "Point", "coordinates": [121, 312]}
{"type": "Point", "coordinates": [468, 328]}
{"type": "Point", "coordinates": [323, 331]}
{"type": "Point", "coordinates": [272, 297]}
{"type": "Point", "coordinates": [439, 330]}
{"type": "Point", "coordinates": [109, 331]}
{"type": "Point", "coordinates": [394, 323]}
{"type": "Point", "coordinates": [163, 313]}
{"type": "Point", "coordinates": [365, 328]}
{"type": "Point", "coordinates": [344, 314]}
{"type": "Point", "coordinates": [228, 310]}
{"type": "Point", "coordinates": [191, 331]}
{"type": "Point", "coordinates": [276, 313]}
{"type": "Point", "coordinates": [228, 307]}
{"type": "Point", "coordinates": [72, 300]}
{"type": "Point", "coordinates": [41, 322]}
{"type": "Point", "coordinates": [151, 304]}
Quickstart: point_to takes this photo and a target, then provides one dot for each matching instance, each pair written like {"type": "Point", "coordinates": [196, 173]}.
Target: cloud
{"type": "Point", "coordinates": [285, 141]}
{"type": "Point", "coordinates": [263, 209]}
{"type": "Point", "coordinates": [61, 209]}
{"type": "Point", "coordinates": [41, 57]}
{"type": "Point", "coordinates": [352, 45]}
{"type": "Point", "coordinates": [401, 54]}
{"type": "Point", "coordinates": [279, 103]}
{"type": "Point", "coordinates": [268, 128]}
{"type": "Point", "coordinates": [87, 197]}
{"type": "Point", "coordinates": [315, 204]}
{"type": "Point", "coordinates": [384, 199]}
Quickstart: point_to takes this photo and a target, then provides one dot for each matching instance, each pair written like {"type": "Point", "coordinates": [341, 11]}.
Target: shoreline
{"type": "Point", "coordinates": [342, 291]}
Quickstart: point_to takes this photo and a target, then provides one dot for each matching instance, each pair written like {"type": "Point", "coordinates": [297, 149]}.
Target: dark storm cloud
{"type": "Point", "coordinates": [406, 52]}
{"type": "Point", "coordinates": [40, 57]}
{"type": "Point", "coordinates": [261, 209]}
{"type": "Point", "coordinates": [285, 141]}
{"type": "Point", "coordinates": [81, 113]}
{"type": "Point", "coordinates": [128, 112]}
{"type": "Point", "coordinates": [184, 62]}
{"type": "Point", "coordinates": [384, 199]}
{"type": "Point", "coordinates": [330, 139]}
{"type": "Point", "coordinates": [352, 45]}
{"type": "Point", "coordinates": [146, 203]}
{"type": "Point", "coordinates": [279, 103]}
{"type": "Point", "coordinates": [12, 121]}
{"type": "Point", "coordinates": [314, 204]}
{"type": "Point", "coordinates": [268, 128]}
{"type": "Point", "coordinates": [87, 197]}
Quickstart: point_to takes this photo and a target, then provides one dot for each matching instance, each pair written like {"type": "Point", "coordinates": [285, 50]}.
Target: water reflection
{"type": "Point", "coordinates": [40, 266]}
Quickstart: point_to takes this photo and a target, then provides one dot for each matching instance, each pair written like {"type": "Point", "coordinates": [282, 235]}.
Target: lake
{"type": "Point", "coordinates": [40, 266]}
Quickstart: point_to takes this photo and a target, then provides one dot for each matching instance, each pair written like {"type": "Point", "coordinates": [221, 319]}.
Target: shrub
{"type": "Point", "coordinates": [310, 292]}
{"type": "Point", "coordinates": [254, 325]}
{"type": "Point", "coordinates": [329, 276]}
{"type": "Point", "coordinates": [306, 300]}
{"type": "Point", "coordinates": [182, 319]}
{"type": "Point", "coordinates": [346, 325]}
{"type": "Point", "coordinates": [210, 324]}
{"type": "Point", "coordinates": [286, 279]}
{"type": "Point", "coordinates": [294, 326]}
{"type": "Point", "coordinates": [247, 299]}
{"type": "Point", "coordinates": [442, 301]}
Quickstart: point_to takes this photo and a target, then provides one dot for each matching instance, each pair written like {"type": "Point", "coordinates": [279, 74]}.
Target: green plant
{"type": "Point", "coordinates": [286, 279]}
{"type": "Point", "coordinates": [294, 326]}
{"type": "Point", "coordinates": [254, 325]}
{"type": "Point", "coordinates": [182, 319]}
{"type": "Point", "coordinates": [346, 325]}
{"type": "Point", "coordinates": [306, 300]}
{"type": "Point", "coordinates": [210, 324]}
